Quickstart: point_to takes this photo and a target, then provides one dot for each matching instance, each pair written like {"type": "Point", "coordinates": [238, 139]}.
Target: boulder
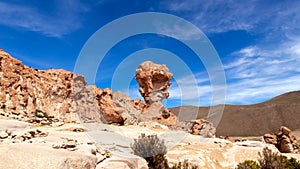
{"type": "Point", "coordinates": [201, 127]}
{"type": "Point", "coordinates": [284, 140]}
{"type": "Point", "coordinates": [270, 138]}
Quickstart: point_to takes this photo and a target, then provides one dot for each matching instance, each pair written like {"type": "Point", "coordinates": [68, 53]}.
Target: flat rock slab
{"type": "Point", "coordinates": [123, 162]}
{"type": "Point", "coordinates": [13, 124]}
{"type": "Point", "coordinates": [24, 156]}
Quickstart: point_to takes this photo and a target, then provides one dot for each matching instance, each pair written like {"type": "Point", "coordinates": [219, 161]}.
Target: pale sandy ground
{"type": "Point", "coordinates": [208, 153]}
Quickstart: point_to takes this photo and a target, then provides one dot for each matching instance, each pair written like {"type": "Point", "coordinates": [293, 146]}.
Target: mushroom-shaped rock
{"type": "Point", "coordinates": [154, 81]}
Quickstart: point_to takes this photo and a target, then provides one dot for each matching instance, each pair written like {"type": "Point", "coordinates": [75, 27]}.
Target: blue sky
{"type": "Point", "coordinates": [258, 42]}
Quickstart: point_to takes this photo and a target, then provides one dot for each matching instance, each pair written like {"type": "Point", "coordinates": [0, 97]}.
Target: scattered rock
{"type": "Point", "coordinates": [284, 140]}
{"type": "Point", "coordinates": [200, 127]}
{"type": "Point", "coordinates": [271, 139]}
{"type": "Point", "coordinates": [3, 135]}
{"type": "Point", "coordinates": [70, 144]}
{"type": "Point", "coordinates": [77, 129]}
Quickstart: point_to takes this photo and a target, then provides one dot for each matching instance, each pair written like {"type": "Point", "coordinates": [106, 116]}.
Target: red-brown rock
{"type": "Point", "coordinates": [27, 93]}
{"type": "Point", "coordinates": [202, 127]}
{"type": "Point", "coordinates": [270, 138]}
{"type": "Point", "coordinates": [154, 81]}
{"type": "Point", "coordinates": [283, 140]}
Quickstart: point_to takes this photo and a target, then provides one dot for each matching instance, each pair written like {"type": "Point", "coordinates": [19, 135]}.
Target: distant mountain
{"type": "Point", "coordinates": [252, 120]}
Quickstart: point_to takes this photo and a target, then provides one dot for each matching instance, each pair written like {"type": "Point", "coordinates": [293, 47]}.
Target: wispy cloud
{"type": "Point", "coordinates": [255, 73]}
{"type": "Point", "coordinates": [64, 19]}
{"type": "Point", "coordinates": [181, 30]}
{"type": "Point", "coordinates": [253, 16]}
{"type": "Point", "coordinates": [191, 90]}
{"type": "Point", "coordinates": [255, 90]}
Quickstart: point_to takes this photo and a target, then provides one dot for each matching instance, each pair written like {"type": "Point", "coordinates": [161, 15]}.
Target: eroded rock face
{"type": "Point", "coordinates": [283, 140]}
{"type": "Point", "coordinates": [127, 108]}
{"type": "Point", "coordinates": [46, 96]}
{"type": "Point", "coordinates": [25, 90]}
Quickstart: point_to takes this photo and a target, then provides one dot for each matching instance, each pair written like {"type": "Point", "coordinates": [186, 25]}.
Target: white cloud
{"type": "Point", "coordinates": [254, 16]}
{"type": "Point", "coordinates": [256, 90]}
{"type": "Point", "coordinates": [65, 20]}
{"type": "Point", "coordinates": [180, 30]}
{"type": "Point", "coordinates": [191, 90]}
{"type": "Point", "coordinates": [256, 74]}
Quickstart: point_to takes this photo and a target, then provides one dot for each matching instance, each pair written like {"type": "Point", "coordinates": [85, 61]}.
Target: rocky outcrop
{"type": "Point", "coordinates": [201, 127]}
{"type": "Point", "coordinates": [47, 96]}
{"type": "Point", "coordinates": [25, 91]}
{"type": "Point", "coordinates": [284, 140]}
{"type": "Point", "coordinates": [127, 108]}
{"type": "Point", "coordinates": [154, 81]}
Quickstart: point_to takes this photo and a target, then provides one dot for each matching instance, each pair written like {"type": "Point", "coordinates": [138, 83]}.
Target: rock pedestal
{"type": "Point", "coordinates": [154, 81]}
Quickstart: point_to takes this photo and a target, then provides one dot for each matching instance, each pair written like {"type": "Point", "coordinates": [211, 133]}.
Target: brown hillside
{"type": "Point", "coordinates": [253, 120]}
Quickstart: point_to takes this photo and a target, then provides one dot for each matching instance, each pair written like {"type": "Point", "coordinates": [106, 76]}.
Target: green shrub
{"type": "Point", "coordinates": [152, 149]}
{"type": "Point", "coordinates": [248, 164]}
{"type": "Point", "coordinates": [291, 163]}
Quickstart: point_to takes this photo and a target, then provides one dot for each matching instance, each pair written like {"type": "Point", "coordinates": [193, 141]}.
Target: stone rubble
{"type": "Point", "coordinates": [284, 140]}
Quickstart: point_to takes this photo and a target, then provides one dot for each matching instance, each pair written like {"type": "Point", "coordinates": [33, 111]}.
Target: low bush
{"type": "Point", "coordinates": [270, 160]}
{"type": "Point", "coordinates": [152, 149]}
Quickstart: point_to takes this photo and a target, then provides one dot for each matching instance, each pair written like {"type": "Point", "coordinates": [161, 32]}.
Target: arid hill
{"type": "Point", "coordinates": [256, 119]}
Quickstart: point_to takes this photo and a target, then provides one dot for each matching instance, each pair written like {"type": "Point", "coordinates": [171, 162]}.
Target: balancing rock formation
{"type": "Point", "coordinates": [154, 81]}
